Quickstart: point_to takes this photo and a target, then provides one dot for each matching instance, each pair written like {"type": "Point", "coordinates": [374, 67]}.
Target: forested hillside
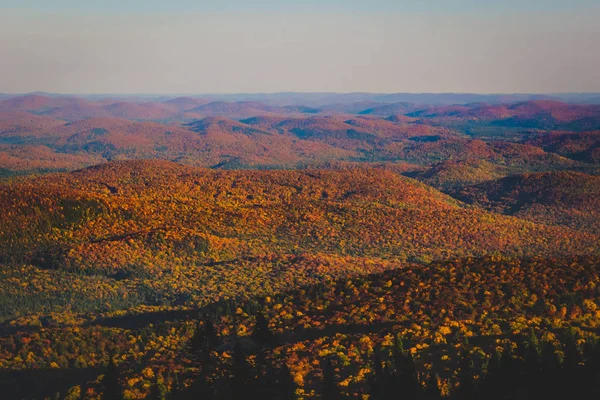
{"type": "Point", "coordinates": [300, 247]}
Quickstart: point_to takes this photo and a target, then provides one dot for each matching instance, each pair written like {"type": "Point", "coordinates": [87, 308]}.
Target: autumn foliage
{"type": "Point", "coordinates": [361, 250]}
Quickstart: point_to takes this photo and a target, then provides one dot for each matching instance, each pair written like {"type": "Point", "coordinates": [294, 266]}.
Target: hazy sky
{"type": "Point", "coordinates": [191, 46]}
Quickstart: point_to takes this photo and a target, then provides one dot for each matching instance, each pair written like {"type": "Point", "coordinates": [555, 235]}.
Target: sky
{"type": "Point", "coordinates": [241, 46]}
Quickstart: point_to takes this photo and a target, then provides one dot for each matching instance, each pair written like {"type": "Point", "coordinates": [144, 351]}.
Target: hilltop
{"type": "Point", "coordinates": [456, 173]}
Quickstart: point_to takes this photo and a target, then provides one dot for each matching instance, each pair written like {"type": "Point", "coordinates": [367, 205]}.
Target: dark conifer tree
{"type": "Point", "coordinates": [201, 345]}
{"type": "Point", "coordinates": [331, 390]}
{"type": "Point", "coordinates": [550, 361]}
{"type": "Point", "coordinates": [432, 390]}
{"type": "Point", "coordinates": [572, 357]}
{"type": "Point", "coordinates": [212, 338]}
{"type": "Point", "coordinates": [158, 391]}
{"type": "Point", "coordinates": [262, 334]}
{"type": "Point", "coordinates": [466, 384]}
{"type": "Point", "coordinates": [204, 340]}
{"type": "Point", "coordinates": [532, 378]}
{"type": "Point", "coordinates": [404, 380]}
{"type": "Point", "coordinates": [378, 381]}
{"type": "Point", "coordinates": [265, 382]}
{"type": "Point", "coordinates": [510, 371]}
{"type": "Point", "coordinates": [490, 387]}
{"type": "Point", "coordinates": [241, 375]}
{"type": "Point", "coordinates": [201, 388]}
{"type": "Point", "coordinates": [534, 351]}
{"type": "Point", "coordinates": [197, 343]}
{"type": "Point", "coordinates": [550, 371]}
{"type": "Point", "coordinates": [571, 372]}
{"type": "Point", "coordinates": [287, 386]}
{"type": "Point", "coordinates": [110, 382]}
{"type": "Point", "coordinates": [592, 369]}
{"type": "Point", "coordinates": [176, 388]}
{"type": "Point", "coordinates": [83, 390]}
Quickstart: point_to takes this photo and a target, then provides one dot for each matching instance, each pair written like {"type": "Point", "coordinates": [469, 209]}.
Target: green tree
{"type": "Point", "coordinates": [158, 391]}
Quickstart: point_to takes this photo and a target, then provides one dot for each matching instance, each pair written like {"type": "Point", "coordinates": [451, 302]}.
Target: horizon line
{"type": "Point", "coordinates": [41, 93]}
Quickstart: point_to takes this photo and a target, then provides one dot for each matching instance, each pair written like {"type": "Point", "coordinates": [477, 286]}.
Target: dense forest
{"type": "Point", "coordinates": [459, 328]}
{"type": "Point", "coordinates": [376, 249]}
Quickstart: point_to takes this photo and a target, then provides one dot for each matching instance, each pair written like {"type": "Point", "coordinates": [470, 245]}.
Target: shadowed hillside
{"type": "Point", "coordinates": [556, 198]}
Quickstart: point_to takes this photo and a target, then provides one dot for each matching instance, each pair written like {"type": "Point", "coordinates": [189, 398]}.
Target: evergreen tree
{"type": "Point", "coordinates": [287, 386]}
{"type": "Point", "coordinates": [571, 372]}
{"type": "Point", "coordinates": [331, 390]}
{"type": "Point", "coordinates": [210, 332]}
{"type": "Point", "coordinates": [571, 351]}
{"type": "Point", "coordinates": [262, 334]}
{"type": "Point", "coordinates": [378, 382]}
{"type": "Point", "coordinates": [398, 345]}
{"type": "Point", "coordinates": [491, 386]}
{"type": "Point", "coordinates": [533, 354]}
{"type": "Point", "coordinates": [266, 381]}
{"type": "Point", "coordinates": [532, 377]}
{"type": "Point", "coordinates": [110, 382]}
{"type": "Point", "coordinates": [466, 385]}
{"type": "Point", "coordinates": [550, 361]}
{"type": "Point", "coordinates": [405, 382]}
{"type": "Point", "coordinates": [510, 371]}
{"type": "Point", "coordinates": [199, 389]}
{"type": "Point", "coordinates": [204, 341]}
{"type": "Point", "coordinates": [176, 388]}
{"type": "Point", "coordinates": [241, 375]}
{"type": "Point", "coordinates": [432, 390]}
{"type": "Point", "coordinates": [83, 390]}
{"type": "Point", "coordinates": [158, 391]}
{"type": "Point", "coordinates": [592, 369]}
{"type": "Point", "coordinates": [197, 343]}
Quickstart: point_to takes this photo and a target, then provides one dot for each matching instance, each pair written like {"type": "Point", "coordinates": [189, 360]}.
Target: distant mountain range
{"type": "Point", "coordinates": [323, 99]}
{"type": "Point", "coordinates": [446, 145]}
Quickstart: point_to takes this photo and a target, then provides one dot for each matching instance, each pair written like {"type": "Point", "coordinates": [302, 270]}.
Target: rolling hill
{"type": "Point", "coordinates": [74, 109]}
{"type": "Point", "coordinates": [239, 110]}
{"type": "Point", "coordinates": [166, 244]}
{"type": "Point", "coordinates": [391, 109]}
{"type": "Point", "coordinates": [538, 114]}
{"type": "Point", "coordinates": [177, 109]}
{"type": "Point", "coordinates": [254, 134]}
{"type": "Point", "coordinates": [32, 159]}
{"type": "Point", "coordinates": [186, 103]}
{"type": "Point", "coordinates": [583, 146]}
{"type": "Point", "coordinates": [19, 125]}
{"type": "Point", "coordinates": [138, 215]}
{"type": "Point", "coordinates": [555, 198]}
{"type": "Point", "coordinates": [456, 173]}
